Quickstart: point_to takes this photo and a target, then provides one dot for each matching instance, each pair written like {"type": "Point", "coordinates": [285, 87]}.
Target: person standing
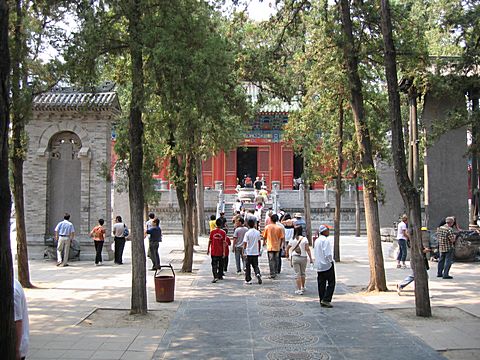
{"type": "Point", "coordinates": [216, 248]}
{"type": "Point", "coordinates": [64, 234]}
{"type": "Point", "coordinates": [98, 235]}
{"type": "Point", "coordinates": [252, 246]}
{"type": "Point", "coordinates": [402, 238]}
{"type": "Point", "coordinates": [274, 237]}
{"type": "Point", "coordinates": [22, 326]}
{"type": "Point", "coordinates": [212, 223]}
{"type": "Point", "coordinates": [237, 246]}
{"type": "Point", "coordinates": [298, 250]}
{"type": "Point", "coordinates": [154, 240]}
{"type": "Point", "coordinates": [223, 220]}
{"type": "Point", "coordinates": [118, 231]}
{"type": "Point", "coordinates": [324, 266]}
{"type": "Point", "coordinates": [446, 247]}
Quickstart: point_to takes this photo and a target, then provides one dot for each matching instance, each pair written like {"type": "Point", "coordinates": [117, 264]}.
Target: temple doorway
{"type": "Point", "coordinates": [246, 162]}
{"type": "Point", "coordinates": [297, 170]}
{"type": "Point", "coordinates": [64, 175]}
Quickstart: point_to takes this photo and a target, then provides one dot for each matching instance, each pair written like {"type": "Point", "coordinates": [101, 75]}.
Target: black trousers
{"type": "Point", "coordinates": [119, 245]}
{"type": "Point", "coordinates": [98, 251]}
{"type": "Point", "coordinates": [225, 264]}
{"type": "Point", "coordinates": [326, 284]}
{"type": "Point", "coordinates": [217, 267]}
{"type": "Point", "coordinates": [252, 261]}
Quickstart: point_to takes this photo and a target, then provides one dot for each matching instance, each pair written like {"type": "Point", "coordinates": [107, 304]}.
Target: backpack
{"type": "Point", "coordinates": [126, 232]}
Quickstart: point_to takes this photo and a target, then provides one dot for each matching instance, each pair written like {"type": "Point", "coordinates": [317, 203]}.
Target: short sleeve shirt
{"type": "Point", "coordinates": [217, 241]}
{"type": "Point", "coordinates": [64, 228]}
{"type": "Point", "coordinates": [251, 239]}
{"type": "Point", "coordinates": [445, 237]}
{"type": "Point", "coordinates": [21, 313]}
{"type": "Point", "coordinates": [118, 229]}
{"type": "Point", "coordinates": [400, 229]}
{"type": "Point", "coordinates": [239, 234]}
{"type": "Point", "coordinates": [98, 233]}
{"type": "Point", "coordinates": [274, 234]}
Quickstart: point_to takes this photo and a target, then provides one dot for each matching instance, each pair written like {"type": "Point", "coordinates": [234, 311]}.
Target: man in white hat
{"type": "Point", "coordinates": [324, 266]}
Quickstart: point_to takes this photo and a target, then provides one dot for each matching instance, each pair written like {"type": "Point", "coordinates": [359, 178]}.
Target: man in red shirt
{"type": "Point", "coordinates": [216, 248]}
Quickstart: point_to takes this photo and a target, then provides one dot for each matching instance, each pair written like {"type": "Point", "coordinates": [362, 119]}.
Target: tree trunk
{"type": "Point", "coordinates": [475, 200]}
{"type": "Point", "coordinates": [7, 323]}
{"type": "Point", "coordinates": [135, 185]}
{"type": "Point", "coordinates": [306, 202]}
{"type": "Point", "coordinates": [410, 194]}
{"type": "Point", "coordinates": [21, 105]}
{"type": "Point", "coordinates": [189, 214]}
{"type": "Point", "coordinates": [358, 224]}
{"type": "Point", "coordinates": [195, 220]}
{"type": "Point", "coordinates": [202, 229]}
{"type": "Point", "coordinates": [377, 269]}
{"type": "Point", "coordinates": [338, 187]}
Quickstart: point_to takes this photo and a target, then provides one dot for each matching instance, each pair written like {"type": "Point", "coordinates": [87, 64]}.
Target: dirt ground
{"type": "Point", "coordinates": [114, 318]}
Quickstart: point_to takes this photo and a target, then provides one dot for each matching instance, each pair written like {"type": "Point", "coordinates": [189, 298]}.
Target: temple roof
{"type": "Point", "coordinates": [102, 98]}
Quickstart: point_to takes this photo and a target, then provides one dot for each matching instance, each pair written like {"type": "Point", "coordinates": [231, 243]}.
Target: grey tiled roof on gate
{"type": "Point", "coordinates": [67, 99]}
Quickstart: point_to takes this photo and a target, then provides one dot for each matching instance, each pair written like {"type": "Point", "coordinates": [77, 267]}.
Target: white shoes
{"type": "Point", "coordinates": [299, 292]}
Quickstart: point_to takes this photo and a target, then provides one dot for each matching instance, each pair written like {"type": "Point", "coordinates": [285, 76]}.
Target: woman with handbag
{"type": "Point", "coordinates": [299, 250]}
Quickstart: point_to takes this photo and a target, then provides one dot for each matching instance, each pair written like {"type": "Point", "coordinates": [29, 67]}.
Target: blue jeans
{"type": "Point", "coordinates": [402, 246]}
{"type": "Point", "coordinates": [406, 281]}
{"type": "Point", "coordinates": [444, 263]}
{"type": "Point", "coordinates": [274, 262]}
{"type": "Point", "coordinates": [238, 256]}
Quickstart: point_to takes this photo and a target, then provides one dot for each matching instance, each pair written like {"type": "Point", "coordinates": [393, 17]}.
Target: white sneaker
{"type": "Point", "coordinates": [299, 292]}
{"type": "Point", "coordinates": [248, 283]}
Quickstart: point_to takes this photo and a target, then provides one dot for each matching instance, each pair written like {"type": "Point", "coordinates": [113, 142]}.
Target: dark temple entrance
{"type": "Point", "coordinates": [247, 162]}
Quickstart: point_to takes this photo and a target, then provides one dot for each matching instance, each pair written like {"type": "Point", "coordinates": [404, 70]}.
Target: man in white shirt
{"type": "Point", "coordinates": [324, 266]}
{"type": "Point", "coordinates": [22, 331]}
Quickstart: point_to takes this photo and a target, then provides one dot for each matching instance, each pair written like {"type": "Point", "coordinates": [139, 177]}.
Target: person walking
{"type": "Point", "coordinates": [238, 246]}
{"type": "Point", "coordinates": [119, 231]}
{"type": "Point", "coordinates": [98, 236]}
{"type": "Point", "coordinates": [446, 247]}
{"type": "Point", "coordinates": [64, 234]}
{"type": "Point", "coordinates": [274, 237]}
{"type": "Point", "coordinates": [252, 248]}
{"type": "Point", "coordinates": [216, 248]}
{"type": "Point", "coordinates": [402, 238]}
{"type": "Point", "coordinates": [154, 240]}
{"type": "Point", "coordinates": [325, 267]}
{"type": "Point", "coordinates": [22, 326]}
{"type": "Point", "coordinates": [298, 250]}
{"type": "Point", "coordinates": [299, 221]}
{"type": "Point", "coordinates": [409, 279]}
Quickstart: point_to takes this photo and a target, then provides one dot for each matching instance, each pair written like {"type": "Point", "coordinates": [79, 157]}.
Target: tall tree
{"type": "Point", "coordinates": [88, 55]}
{"type": "Point", "coordinates": [377, 270]}
{"type": "Point", "coordinates": [7, 324]}
{"type": "Point", "coordinates": [409, 192]}
{"type": "Point", "coordinates": [201, 104]}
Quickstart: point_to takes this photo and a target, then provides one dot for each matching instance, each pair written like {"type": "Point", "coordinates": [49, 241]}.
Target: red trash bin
{"type": "Point", "coordinates": [164, 285]}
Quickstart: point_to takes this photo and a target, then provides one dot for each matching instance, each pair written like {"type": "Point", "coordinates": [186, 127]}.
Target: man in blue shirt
{"type": "Point", "coordinates": [64, 234]}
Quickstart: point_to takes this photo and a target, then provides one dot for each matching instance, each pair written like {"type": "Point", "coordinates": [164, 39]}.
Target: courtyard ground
{"type": "Point", "coordinates": [81, 312]}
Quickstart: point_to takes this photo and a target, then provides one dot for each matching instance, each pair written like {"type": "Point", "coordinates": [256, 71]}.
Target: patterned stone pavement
{"type": "Point", "coordinates": [231, 320]}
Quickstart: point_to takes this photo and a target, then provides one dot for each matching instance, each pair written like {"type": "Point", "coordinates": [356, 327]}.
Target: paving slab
{"type": "Point", "coordinates": [230, 320]}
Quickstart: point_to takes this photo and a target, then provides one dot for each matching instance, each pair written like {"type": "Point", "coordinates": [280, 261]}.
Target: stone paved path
{"type": "Point", "coordinates": [230, 320]}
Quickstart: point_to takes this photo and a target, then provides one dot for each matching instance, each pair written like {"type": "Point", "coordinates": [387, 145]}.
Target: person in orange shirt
{"type": "Point", "coordinates": [274, 237]}
{"type": "Point", "coordinates": [98, 235]}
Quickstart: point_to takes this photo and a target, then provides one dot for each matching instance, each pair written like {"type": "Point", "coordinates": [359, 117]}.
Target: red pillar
{"type": "Point", "coordinates": [276, 162]}
{"type": "Point", "coordinates": [219, 168]}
